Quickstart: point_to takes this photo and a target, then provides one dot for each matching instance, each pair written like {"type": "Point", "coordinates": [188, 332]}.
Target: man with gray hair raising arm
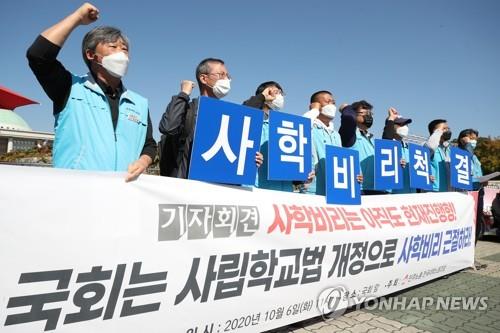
{"type": "Point", "coordinates": [100, 125]}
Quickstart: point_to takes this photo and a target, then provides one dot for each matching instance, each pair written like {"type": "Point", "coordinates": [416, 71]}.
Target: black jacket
{"type": "Point", "coordinates": [177, 126]}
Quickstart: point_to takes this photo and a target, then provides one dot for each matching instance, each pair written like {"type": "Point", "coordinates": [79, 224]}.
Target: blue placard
{"type": "Point", "coordinates": [226, 139]}
{"type": "Point", "coordinates": [388, 169]}
{"type": "Point", "coordinates": [419, 167]}
{"type": "Point", "coordinates": [342, 169]}
{"type": "Point", "coordinates": [290, 149]}
{"type": "Point", "coordinates": [460, 169]}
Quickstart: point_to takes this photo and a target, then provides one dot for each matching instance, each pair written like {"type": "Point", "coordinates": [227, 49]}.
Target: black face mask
{"type": "Point", "coordinates": [446, 136]}
{"type": "Point", "coordinates": [368, 120]}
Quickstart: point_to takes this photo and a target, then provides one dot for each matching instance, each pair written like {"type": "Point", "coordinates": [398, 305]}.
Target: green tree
{"type": "Point", "coordinates": [488, 152]}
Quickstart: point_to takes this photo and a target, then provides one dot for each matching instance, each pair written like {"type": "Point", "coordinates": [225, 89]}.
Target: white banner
{"type": "Point", "coordinates": [87, 252]}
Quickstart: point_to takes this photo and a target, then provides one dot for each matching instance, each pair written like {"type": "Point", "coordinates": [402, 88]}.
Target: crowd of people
{"type": "Point", "coordinates": [102, 125]}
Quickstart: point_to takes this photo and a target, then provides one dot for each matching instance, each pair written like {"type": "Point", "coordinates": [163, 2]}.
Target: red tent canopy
{"type": "Point", "coordinates": [10, 100]}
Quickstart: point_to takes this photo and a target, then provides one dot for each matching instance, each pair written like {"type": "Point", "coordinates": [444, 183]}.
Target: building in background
{"type": "Point", "coordinates": [15, 133]}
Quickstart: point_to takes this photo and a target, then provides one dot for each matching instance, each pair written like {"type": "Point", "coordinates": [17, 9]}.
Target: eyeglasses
{"type": "Point", "coordinates": [220, 75]}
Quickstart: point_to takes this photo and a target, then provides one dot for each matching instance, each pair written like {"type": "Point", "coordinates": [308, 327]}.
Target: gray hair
{"type": "Point", "coordinates": [104, 34]}
{"type": "Point", "coordinates": [204, 67]}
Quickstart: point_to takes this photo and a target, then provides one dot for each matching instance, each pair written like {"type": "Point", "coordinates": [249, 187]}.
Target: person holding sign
{"type": "Point", "coordinates": [396, 128]}
{"type": "Point", "coordinates": [178, 122]}
{"type": "Point", "coordinates": [268, 96]}
{"type": "Point", "coordinates": [99, 124]}
{"type": "Point", "coordinates": [356, 120]}
{"type": "Point", "coordinates": [322, 111]}
{"type": "Point", "coordinates": [179, 119]}
{"type": "Point", "coordinates": [439, 144]}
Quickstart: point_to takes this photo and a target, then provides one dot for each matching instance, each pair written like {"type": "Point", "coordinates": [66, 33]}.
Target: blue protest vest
{"type": "Point", "coordinates": [321, 137]}
{"type": "Point", "coordinates": [439, 168]}
{"type": "Point", "coordinates": [477, 172]}
{"type": "Point", "coordinates": [366, 149]}
{"type": "Point", "coordinates": [84, 134]}
{"type": "Point", "coordinates": [261, 180]}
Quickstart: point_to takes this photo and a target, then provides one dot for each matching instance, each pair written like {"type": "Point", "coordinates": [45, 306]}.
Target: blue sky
{"type": "Point", "coordinates": [428, 58]}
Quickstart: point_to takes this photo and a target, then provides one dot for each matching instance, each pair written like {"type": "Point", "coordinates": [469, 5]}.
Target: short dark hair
{"type": "Point", "coordinates": [315, 96]}
{"type": "Point", "coordinates": [432, 125]}
{"type": "Point", "coordinates": [266, 84]}
{"type": "Point", "coordinates": [361, 105]}
{"type": "Point", "coordinates": [465, 133]}
{"type": "Point", "coordinates": [103, 34]}
{"type": "Point", "coordinates": [204, 67]}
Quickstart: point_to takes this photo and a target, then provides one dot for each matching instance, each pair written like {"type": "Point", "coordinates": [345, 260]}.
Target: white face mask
{"type": "Point", "coordinates": [329, 110]}
{"type": "Point", "coordinates": [221, 88]}
{"type": "Point", "coordinates": [116, 64]}
{"type": "Point", "coordinates": [403, 131]}
{"type": "Point", "coordinates": [277, 103]}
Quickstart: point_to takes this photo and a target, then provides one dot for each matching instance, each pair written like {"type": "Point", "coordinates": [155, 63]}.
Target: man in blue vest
{"type": "Point", "coordinates": [396, 128]}
{"type": "Point", "coordinates": [356, 119]}
{"type": "Point", "coordinates": [99, 124]}
{"type": "Point", "coordinates": [439, 144]}
{"type": "Point", "coordinates": [322, 111]}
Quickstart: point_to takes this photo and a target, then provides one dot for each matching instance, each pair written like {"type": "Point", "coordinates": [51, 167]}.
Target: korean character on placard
{"type": "Point", "coordinates": [437, 237]}
{"type": "Point", "coordinates": [255, 319]}
{"type": "Point", "coordinates": [338, 222]}
{"type": "Point", "coordinates": [463, 171]}
{"type": "Point", "coordinates": [295, 309]}
{"type": "Point", "coordinates": [150, 283]}
{"type": "Point", "coordinates": [199, 221]}
{"type": "Point", "coordinates": [191, 285]}
{"type": "Point", "coordinates": [426, 246]}
{"type": "Point", "coordinates": [430, 213]}
{"type": "Point", "coordinates": [387, 167]}
{"type": "Point", "coordinates": [447, 241]}
{"type": "Point", "coordinates": [82, 300]}
{"type": "Point", "coordinates": [410, 215]}
{"type": "Point", "coordinates": [405, 251]}
{"type": "Point", "coordinates": [468, 237]}
{"type": "Point", "coordinates": [316, 214]}
{"type": "Point", "coordinates": [450, 210]}
{"type": "Point", "coordinates": [379, 215]}
{"type": "Point", "coordinates": [358, 251]}
{"type": "Point", "coordinates": [312, 257]}
{"type": "Point", "coordinates": [224, 220]}
{"type": "Point", "coordinates": [374, 252]}
{"type": "Point", "coordinates": [351, 217]}
{"type": "Point", "coordinates": [248, 221]}
{"type": "Point", "coordinates": [416, 247]}
{"type": "Point", "coordinates": [38, 302]}
{"type": "Point", "coordinates": [454, 240]}
{"type": "Point", "coordinates": [222, 143]}
{"type": "Point", "coordinates": [279, 223]}
{"type": "Point", "coordinates": [292, 143]}
{"type": "Point", "coordinates": [421, 164]}
{"type": "Point", "coordinates": [171, 221]}
{"type": "Point", "coordinates": [389, 252]}
{"type": "Point", "coordinates": [296, 215]}
{"type": "Point", "coordinates": [289, 274]}
{"type": "Point", "coordinates": [279, 312]}
{"type": "Point", "coordinates": [438, 208]}
{"type": "Point", "coordinates": [396, 219]}
{"type": "Point", "coordinates": [341, 259]}
{"type": "Point", "coordinates": [231, 275]}
{"type": "Point", "coordinates": [262, 265]}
